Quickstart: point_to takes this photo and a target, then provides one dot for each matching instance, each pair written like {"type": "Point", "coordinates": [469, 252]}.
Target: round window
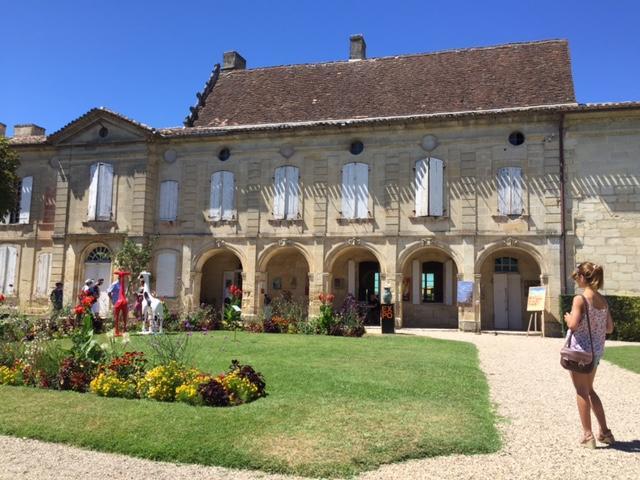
{"type": "Point", "coordinates": [224, 154]}
{"type": "Point", "coordinates": [103, 132]}
{"type": "Point", "coordinates": [356, 147]}
{"type": "Point", "coordinates": [516, 138]}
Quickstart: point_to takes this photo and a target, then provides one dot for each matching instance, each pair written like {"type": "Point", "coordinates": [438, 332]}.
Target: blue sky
{"type": "Point", "coordinates": [147, 59]}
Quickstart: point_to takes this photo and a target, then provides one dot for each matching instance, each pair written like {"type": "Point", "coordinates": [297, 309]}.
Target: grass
{"type": "Point", "coordinates": [626, 357]}
{"type": "Point", "coordinates": [336, 407]}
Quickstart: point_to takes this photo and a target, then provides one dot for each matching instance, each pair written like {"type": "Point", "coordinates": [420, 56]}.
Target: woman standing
{"type": "Point", "coordinates": [589, 277]}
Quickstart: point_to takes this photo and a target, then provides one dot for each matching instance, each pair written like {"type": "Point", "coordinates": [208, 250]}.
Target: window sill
{"type": "Point", "coordinates": [101, 226]}
{"type": "Point", "coordinates": [349, 221]}
{"type": "Point", "coordinates": [502, 218]}
{"type": "Point", "coordinates": [22, 227]}
{"type": "Point", "coordinates": [285, 222]}
{"type": "Point", "coordinates": [428, 218]}
{"type": "Point", "coordinates": [220, 223]}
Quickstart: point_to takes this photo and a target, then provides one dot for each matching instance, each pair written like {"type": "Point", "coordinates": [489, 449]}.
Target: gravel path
{"type": "Point", "coordinates": [533, 395]}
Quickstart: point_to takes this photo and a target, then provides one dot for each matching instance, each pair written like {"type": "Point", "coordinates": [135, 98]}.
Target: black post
{"type": "Point", "coordinates": [387, 318]}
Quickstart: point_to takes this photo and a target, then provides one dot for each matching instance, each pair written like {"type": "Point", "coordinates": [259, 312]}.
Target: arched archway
{"type": "Point", "coordinates": [219, 271]}
{"type": "Point", "coordinates": [287, 275]}
{"type": "Point", "coordinates": [356, 270]}
{"type": "Point", "coordinates": [429, 282]}
{"type": "Point", "coordinates": [506, 273]}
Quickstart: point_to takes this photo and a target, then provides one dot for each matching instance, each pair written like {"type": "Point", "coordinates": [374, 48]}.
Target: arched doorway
{"type": "Point", "coordinates": [97, 265]}
{"type": "Point", "coordinates": [505, 277]}
{"type": "Point", "coordinates": [429, 281]}
{"type": "Point", "coordinates": [287, 275]}
{"type": "Point", "coordinates": [356, 271]}
{"type": "Point", "coordinates": [219, 272]}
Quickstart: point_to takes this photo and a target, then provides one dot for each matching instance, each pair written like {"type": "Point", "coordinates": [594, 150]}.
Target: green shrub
{"type": "Point", "coordinates": [625, 311]}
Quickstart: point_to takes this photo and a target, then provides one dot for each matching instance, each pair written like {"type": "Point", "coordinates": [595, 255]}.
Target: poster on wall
{"type": "Point", "coordinates": [535, 301]}
{"type": "Point", "coordinates": [465, 293]}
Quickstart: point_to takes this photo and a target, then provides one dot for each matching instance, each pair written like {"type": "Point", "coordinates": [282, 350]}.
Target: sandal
{"type": "Point", "coordinates": [588, 442]}
{"type": "Point", "coordinates": [606, 437]}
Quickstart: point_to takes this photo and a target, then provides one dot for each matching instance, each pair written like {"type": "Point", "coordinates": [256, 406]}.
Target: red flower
{"type": "Point", "coordinates": [87, 301]}
{"type": "Point", "coordinates": [2, 298]}
{"type": "Point", "coordinates": [321, 297]}
{"type": "Point", "coordinates": [79, 310]}
{"type": "Point", "coordinates": [330, 297]}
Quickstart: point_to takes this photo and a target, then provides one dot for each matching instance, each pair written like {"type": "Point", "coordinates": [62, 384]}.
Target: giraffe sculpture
{"type": "Point", "coordinates": [121, 307]}
{"type": "Point", "coordinates": [152, 311]}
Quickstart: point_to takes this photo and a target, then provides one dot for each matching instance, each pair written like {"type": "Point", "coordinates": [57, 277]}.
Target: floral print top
{"type": "Point", "coordinates": [598, 319]}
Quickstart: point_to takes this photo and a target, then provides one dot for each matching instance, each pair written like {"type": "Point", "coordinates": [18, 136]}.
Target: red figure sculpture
{"type": "Point", "coordinates": [121, 308]}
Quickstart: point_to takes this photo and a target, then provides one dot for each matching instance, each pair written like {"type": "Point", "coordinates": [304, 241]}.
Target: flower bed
{"type": "Point", "coordinates": [109, 372]}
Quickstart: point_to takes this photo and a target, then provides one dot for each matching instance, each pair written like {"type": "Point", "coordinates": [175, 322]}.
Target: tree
{"type": "Point", "coordinates": [9, 162]}
{"type": "Point", "coordinates": [135, 258]}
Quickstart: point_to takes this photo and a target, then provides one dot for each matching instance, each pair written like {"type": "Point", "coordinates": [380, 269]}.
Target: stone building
{"type": "Point", "coordinates": [416, 172]}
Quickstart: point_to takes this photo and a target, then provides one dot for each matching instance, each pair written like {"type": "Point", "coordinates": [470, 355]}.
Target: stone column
{"type": "Point", "coordinates": [251, 299]}
{"type": "Point", "coordinates": [318, 283]}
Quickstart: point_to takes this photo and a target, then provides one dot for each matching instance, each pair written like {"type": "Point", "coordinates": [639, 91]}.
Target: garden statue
{"type": "Point", "coordinates": [121, 306]}
{"type": "Point", "coordinates": [152, 308]}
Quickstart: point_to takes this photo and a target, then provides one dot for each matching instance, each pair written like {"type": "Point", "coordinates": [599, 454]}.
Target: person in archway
{"type": "Point", "coordinates": [56, 297]}
{"type": "Point", "coordinates": [589, 277]}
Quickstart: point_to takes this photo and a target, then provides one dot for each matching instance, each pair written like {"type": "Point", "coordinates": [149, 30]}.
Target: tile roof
{"type": "Point", "coordinates": [505, 76]}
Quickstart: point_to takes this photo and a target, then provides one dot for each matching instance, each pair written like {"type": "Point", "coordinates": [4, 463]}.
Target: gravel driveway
{"type": "Point", "coordinates": [533, 395]}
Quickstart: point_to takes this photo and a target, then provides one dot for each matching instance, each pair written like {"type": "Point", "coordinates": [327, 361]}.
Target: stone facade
{"type": "Point", "coordinates": [315, 253]}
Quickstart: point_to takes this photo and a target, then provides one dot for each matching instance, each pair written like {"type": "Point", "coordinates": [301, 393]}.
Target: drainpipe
{"type": "Point", "coordinates": [563, 229]}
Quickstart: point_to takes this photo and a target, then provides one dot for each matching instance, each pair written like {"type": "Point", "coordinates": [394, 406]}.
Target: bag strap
{"type": "Point", "coordinates": [588, 322]}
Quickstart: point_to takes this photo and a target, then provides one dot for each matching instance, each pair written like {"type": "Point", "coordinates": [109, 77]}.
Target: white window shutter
{"type": "Point", "coordinates": [25, 199]}
{"type": "Point", "coordinates": [280, 193]}
{"type": "Point", "coordinates": [504, 191]}
{"type": "Point", "coordinates": [436, 187]}
{"type": "Point", "coordinates": [166, 274]}
{"type": "Point", "coordinates": [293, 193]}
{"type": "Point", "coordinates": [348, 191]}
{"type": "Point", "coordinates": [517, 204]}
{"type": "Point", "coordinates": [422, 188]}
{"type": "Point", "coordinates": [3, 267]}
{"type": "Point", "coordinates": [228, 187]}
{"type": "Point", "coordinates": [105, 191]}
{"type": "Point", "coordinates": [43, 274]}
{"type": "Point", "coordinates": [215, 204]}
{"type": "Point", "coordinates": [168, 200]}
{"type": "Point", "coordinates": [10, 270]}
{"type": "Point", "coordinates": [93, 192]}
{"type": "Point", "coordinates": [362, 190]}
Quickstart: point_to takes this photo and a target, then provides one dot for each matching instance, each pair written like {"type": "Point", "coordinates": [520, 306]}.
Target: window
{"type": "Point", "coordinates": [432, 284]}
{"type": "Point", "coordinates": [99, 255]}
{"type": "Point", "coordinates": [429, 187]}
{"type": "Point", "coordinates": [43, 274]}
{"type": "Point", "coordinates": [168, 201]}
{"type": "Point", "coordinates": [8, 261]}
{"type": "Point", "coordinates": [506, 265]}
{"type": "Point", "coordinates": [222, 197]}
{"type": "Point", "coordinates": [21, 213]}
{"type": "Point", "coordinates": [355, 191]}
{"type": "Point", "coordinates": [166, 274]}
{"type": "Point", "coordinates": [510, 191]}
{"type": "Point", "coordinates": [100, 192]}
{"type": "Point", "coordinates": [286, 201]}
{"type": "Point", "coordinates": [516, 138]}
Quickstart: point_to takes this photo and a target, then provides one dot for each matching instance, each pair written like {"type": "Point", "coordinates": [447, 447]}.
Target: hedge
{"type": "Point", "coordinates": [624, 310]}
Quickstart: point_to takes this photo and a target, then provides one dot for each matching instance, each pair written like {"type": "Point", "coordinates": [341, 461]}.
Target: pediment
{"type": "Point", "coordinates": [100, 126]}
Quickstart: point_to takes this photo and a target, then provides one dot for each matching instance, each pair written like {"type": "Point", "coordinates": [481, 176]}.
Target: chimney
{"type": "Point", "coordinates": [3, 129]}
{"type": "Point", "coordinates": [358, 49]}
{"type": "Point", "coordinates": [28, 130]}
{"type": "Point", "coordinates": [233, 61]}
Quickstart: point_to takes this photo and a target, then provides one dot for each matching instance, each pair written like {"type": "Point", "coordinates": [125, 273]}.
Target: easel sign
{"type": "Point", "coordinates": [535, 304]}
{"type": "Point", "coordinates": [465, 293]}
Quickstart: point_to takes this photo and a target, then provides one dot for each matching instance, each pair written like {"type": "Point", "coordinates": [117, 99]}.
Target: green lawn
{"type": "Point", "coordinates": [626, 357]}
{"type": "Point", "coordinates": [336, 406]}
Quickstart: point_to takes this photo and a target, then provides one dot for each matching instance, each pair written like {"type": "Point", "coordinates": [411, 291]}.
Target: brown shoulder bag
{"type": "Point", "coordinates": [577, 360]}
